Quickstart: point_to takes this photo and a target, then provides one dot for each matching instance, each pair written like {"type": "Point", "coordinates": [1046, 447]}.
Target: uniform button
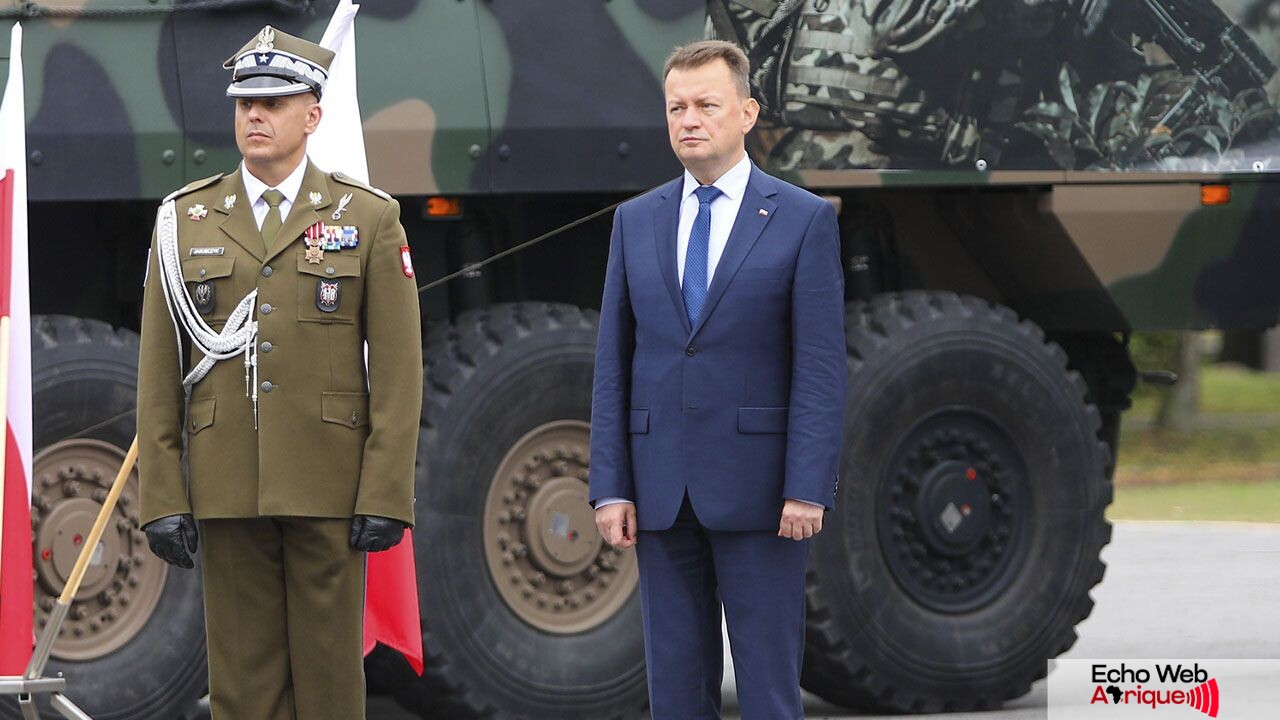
{"type": "Point", "coordinates": [266, 347]}
{"type": "Point", "coordinates": [691, 351]}
{"type": "Point", "coordinates": [267, 386]}
{"type": "Point", "coordinates": [266, 271]}
{"type": "Point", "coordinates": [329, 270]}
{"type": "Point", "coordinates": [203, 272]}
{"type": "Point", "coordinates": [266, 308]}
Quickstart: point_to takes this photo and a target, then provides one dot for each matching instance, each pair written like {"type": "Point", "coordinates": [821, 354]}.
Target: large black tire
{"type": "Point", "coordinates": [969, 517]}
{"type": "Point", "coordinates": [84, 377]}
{"type": "Point", "coordinates": [492, 379]}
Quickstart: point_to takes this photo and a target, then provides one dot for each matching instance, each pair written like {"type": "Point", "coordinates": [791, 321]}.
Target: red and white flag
{"type": "Point", "coordinates": [391, 584]}
{"type": "Point", "coordinates": [16, 638]}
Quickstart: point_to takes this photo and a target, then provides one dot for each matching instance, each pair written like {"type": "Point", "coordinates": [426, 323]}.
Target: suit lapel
{"type": "Point", "coordinates": [747, 227]}
{"type": "Point", "coordinates": [304, 213]}
{"type": "Point", "coordinates": [238, 222]}
{"type": "Point", "coordinates": [664, 240]}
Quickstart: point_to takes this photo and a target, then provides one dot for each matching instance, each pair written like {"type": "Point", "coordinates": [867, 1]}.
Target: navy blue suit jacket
{"type": "Point", "coordinates": [744, 408]}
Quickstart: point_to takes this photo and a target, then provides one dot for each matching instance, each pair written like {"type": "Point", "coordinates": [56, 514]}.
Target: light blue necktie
{"type": "Point", "coordinates": [694, 288]}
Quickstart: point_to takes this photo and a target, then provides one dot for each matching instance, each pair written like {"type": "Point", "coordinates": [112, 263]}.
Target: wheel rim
{"type": "Point", "coordinates": [952, 511]}
{"type": "Point", "coordinates": [540, 542]}
{"type": "Point", "coordinates": [123, 582]}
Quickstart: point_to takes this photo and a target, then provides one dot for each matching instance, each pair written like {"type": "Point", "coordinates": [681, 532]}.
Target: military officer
{"type": "Point", "coordinates": [264, 429]}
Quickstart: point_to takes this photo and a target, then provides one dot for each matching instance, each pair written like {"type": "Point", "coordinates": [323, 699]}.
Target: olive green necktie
{"type": "Point", "coordinates": [272, 222]}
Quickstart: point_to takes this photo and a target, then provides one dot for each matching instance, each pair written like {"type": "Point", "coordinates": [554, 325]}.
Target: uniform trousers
{"type": "Point", "coordinates": [688, 573]}
{"type": "Point", "coordinates": [284, 613]}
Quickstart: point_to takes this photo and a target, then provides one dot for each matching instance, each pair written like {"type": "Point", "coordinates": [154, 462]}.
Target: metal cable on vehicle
{"type": "Point", "coordinates": [472, 267]}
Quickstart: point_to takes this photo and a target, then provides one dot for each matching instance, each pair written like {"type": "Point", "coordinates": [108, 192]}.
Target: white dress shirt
{"type": "Point", "coordinates": [724, 210]}
{"type": "Point", "coordinates": [289, 187]}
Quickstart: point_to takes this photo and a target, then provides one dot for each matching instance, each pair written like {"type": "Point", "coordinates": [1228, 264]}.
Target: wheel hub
{"type": "Point", "coordinates": [952, 511]}
{"type": "Point", "coordinates": [543, 552]}
{"type": "Point", "coordinates": [123, 581]}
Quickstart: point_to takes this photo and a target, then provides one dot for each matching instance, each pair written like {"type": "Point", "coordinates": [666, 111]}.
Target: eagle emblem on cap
{"type": "Point", "coordinates": [266, 40]}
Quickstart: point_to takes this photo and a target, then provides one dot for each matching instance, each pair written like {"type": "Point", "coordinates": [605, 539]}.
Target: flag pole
{"type": "Point", "coordinates": [44, 646]}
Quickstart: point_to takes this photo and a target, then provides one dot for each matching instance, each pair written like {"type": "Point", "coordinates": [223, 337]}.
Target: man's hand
{"type": "Point", "coordinates": [617, 524]}
{"type": "Point", "coordinates": [373, 533]}
{"type": "Point", "coordinates": [800, 520]}
{"type": "Point", "coordinates": [173, 538]}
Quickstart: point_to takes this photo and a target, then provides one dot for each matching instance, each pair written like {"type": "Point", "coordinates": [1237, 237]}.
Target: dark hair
{"type": "Point", "coordinates": [697, 54]}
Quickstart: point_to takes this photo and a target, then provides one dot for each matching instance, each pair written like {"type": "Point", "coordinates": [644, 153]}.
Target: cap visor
{"type": "Point", "coordinates": [267, 86]}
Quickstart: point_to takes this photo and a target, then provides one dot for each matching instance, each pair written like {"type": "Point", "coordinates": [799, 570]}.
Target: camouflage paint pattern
{"type": "Point", "coordinates": [1108, 131]}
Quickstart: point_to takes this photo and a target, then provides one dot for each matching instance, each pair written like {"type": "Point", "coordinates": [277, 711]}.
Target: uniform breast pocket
{"type": "Point", "coordinates": [209, 281]}
{"type": "Point", "coordinates": [329, 292]}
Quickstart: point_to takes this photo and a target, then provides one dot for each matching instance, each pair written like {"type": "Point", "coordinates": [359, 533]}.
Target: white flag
{"type": "Point", "coordinates": [338, 144]}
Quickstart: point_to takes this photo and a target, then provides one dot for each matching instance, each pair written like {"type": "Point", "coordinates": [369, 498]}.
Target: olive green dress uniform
{"type": "Point", "coordinates": [274, 503]}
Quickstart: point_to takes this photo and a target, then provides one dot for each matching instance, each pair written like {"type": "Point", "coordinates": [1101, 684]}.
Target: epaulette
{"type": "Point", "coordinates": [192, 187]}
{"type": "Point", "coordinates": [348, 180]}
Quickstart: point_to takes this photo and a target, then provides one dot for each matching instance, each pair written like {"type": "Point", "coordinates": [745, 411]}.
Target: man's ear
{"type": "Point", "coordinates": [314, 114]}
{"type": "Point", "coordinates": [750, 112]}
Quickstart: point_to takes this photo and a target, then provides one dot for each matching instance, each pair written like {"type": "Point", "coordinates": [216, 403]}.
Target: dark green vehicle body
{"type": "Point", "coordinates": [1029, 170]}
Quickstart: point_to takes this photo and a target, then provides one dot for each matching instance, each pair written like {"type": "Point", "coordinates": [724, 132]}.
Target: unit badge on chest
{"type": "Point", "coordinates": [203, 295]}
{"type": "Point", "coordinates": [197, 212]}
{"type": "Point", "coordinates": [328, 295]}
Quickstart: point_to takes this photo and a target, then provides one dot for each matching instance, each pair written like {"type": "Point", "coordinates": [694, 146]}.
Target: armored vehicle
{"type": "Point", "coordinates": [1022, 184]}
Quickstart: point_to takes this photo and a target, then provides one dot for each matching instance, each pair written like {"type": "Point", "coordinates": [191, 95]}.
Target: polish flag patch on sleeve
{"type": "Point", "coordinates": [406, 261]}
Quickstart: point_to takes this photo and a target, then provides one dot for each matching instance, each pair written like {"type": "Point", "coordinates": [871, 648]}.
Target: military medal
{"type": "Point", "coordinates": [349, 237]}
{"type": "Point", "coordinates": [315, 197]}
{"type": "Point", "coordinates": [228, 202]}
{"type": "Point", "coordinates": [314, 237]}
{"type": "Point", "coordinates": [197, 212]}
{"type": "Point", "coordinates": [342, 206]}
{"type": "Point", "coordinates": [328, 293]}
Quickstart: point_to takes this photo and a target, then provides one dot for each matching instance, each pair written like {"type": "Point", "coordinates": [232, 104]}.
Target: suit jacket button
{"type": "Point", "coordinates": [266, 346]}
{"type": "Point", "coordinates": [266, 309]}
{"type": "Point", "coordinates": [267, 386]}
{"type": "Point", "coordinates": [691, 351]}
{"type": "Point", "coordinates": [266, 271]}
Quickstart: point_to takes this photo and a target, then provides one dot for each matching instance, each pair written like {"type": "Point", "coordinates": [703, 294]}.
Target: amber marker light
{"type": "Point", "coordinates": [1215, 194]}
{"type": "Point", "coordinates": [444, 207]}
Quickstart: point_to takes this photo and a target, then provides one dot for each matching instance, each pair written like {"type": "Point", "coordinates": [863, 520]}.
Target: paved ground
{"type": "Point", "coordinates": [1172, 590]}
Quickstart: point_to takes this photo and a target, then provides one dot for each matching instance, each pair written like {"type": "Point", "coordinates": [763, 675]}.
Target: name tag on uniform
{"type": "Point", "coordinates": [208, 251]}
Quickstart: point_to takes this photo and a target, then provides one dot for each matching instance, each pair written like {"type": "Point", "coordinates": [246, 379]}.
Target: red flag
{"type": "Point", "coordinates": [391, 603]}
{"type": "Point", "coordinates": [391, 584]}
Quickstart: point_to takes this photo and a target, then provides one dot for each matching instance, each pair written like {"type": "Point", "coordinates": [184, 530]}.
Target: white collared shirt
{"type": "Point", "coordinates": [724, 210]}
{"type": "Point", "coordinates": [255, 187]}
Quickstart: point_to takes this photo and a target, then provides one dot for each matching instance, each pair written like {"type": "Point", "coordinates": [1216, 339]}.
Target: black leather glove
{"type": "Point", "coordinates": [373, 533]}
{"type": "Point", "coordinates": [173, 538]}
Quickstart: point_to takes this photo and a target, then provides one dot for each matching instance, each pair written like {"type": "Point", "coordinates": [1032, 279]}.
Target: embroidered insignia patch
{"type": "Point", "coordinates": [406, 260]}
{"type": "Point", "coordinates": [203, 295]}
{"type": "Point", "coordinates": [328, 295]}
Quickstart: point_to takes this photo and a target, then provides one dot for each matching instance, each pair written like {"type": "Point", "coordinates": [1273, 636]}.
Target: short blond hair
{"type": "Point", "coordinates": [697, 54]}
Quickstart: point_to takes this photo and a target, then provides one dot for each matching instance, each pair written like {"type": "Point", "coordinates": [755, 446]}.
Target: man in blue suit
{"type": "Point", "coordinates": [718, 402]}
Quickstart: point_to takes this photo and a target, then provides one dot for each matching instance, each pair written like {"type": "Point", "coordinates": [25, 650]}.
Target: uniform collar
{"type": "Point", "coordinates": [733, 183]}
{"type": "Point", "coordinates": [254, 187]}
